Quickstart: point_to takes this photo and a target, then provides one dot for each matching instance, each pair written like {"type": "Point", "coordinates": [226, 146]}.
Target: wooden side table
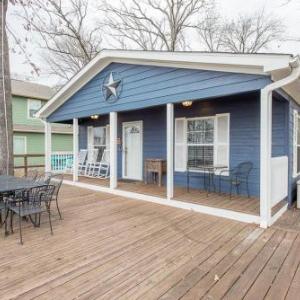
{"type": "Point", "coordinates": [155, 166]}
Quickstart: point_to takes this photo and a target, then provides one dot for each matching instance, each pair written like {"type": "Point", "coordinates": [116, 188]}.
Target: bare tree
{"type": "Point", "coordinates": [152, 24]}
{"type": "Point", "coordinates": [211, 31]}
{"type": "Point", "coordinates": [6, 130]}
{"type": "Point", "coordinates": [245, 34]}
{"type": "Point", "coordinates": [65, 35]}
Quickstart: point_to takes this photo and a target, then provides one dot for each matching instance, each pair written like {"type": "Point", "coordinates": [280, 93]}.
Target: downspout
{"type": "Point", "coordinates": [266, 140]}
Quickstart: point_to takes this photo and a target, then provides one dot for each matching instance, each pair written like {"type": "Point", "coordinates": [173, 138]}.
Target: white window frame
{"type": "Point", "coordinates": [91, 141]}
{"type": "Point", "coordinates": [296, 143]}
{"type": "Point", "coordinates": [188, 144]}
{"type": "Point", "coordinates": [25, 142]}
{"type": "Point", "coordinates": [29, 101]}
{"type": "Point", "coordinates": [215, 143]}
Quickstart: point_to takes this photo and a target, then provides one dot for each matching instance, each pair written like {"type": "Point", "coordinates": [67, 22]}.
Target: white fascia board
{"type": "Point", "coordinates": [261, 64]}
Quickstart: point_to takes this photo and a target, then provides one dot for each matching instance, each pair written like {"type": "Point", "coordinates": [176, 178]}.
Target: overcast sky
{"type": "Point", "coordinates": [290, 15]}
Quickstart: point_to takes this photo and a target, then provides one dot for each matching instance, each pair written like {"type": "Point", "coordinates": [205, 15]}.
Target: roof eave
{"type": "Point", "coordinates": [241, 63]}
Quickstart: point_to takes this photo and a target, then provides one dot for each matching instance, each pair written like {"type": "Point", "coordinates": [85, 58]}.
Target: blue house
{"type": "Point", "coordinates": [199, 116]}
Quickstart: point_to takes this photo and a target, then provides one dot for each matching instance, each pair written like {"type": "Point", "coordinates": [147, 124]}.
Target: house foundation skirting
{"type": "Point", "coordinates": [218, 212]}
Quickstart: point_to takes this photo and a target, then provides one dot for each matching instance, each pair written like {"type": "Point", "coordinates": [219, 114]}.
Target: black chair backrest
{"type": "Point", "coordinates": [38, 194]}
{"type": "Point", "coordinates": [243, 169]}
{"type": "Point", "coordinates": [57, 181]}
{"type": "Point", "coordinates": [44, 177]}
{"type": "Point", "coordinates": [47, 193]}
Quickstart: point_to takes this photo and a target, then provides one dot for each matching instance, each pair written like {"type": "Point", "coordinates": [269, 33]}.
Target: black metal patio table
{"type": "Point", "coordinates": [205, 171]}
{"type": "Point", "coordinates": [11, 184]}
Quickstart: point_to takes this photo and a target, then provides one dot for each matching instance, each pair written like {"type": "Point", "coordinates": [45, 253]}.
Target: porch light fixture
{"type": "Point", "coordinates": [187, 103]}
{"type": "Point", "coordinates": [94, 117]}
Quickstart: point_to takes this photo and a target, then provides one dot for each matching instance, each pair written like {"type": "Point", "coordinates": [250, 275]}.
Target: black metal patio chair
{"type": "Point", "coordinates": [236, 177]}
{"type": "Point", "coordinates": [32, 202]}
{"type": "Point", "coordinates": [2, 210]}
{"type": "Point", "coordinates": [44, 177]}
{"type": "Point", "coordinates": [57, 180]}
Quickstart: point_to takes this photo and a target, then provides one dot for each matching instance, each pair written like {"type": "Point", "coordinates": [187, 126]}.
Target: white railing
{"type": "Point", "coordinates": [279, 179]}
{"type": "Point", "coordinates": [61, 161]}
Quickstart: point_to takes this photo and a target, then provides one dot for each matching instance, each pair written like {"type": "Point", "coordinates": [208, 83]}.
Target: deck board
{"type": "Point", "coordinates": [110, 247]}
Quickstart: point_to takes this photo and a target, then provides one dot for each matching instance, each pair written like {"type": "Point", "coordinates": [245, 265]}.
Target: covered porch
{"type": "Point", "coordinates": [163, 142]}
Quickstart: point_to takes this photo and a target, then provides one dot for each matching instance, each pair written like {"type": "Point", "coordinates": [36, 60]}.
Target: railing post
{"type": "Point", "coordinates": [170, 151]}
{"type": "Point", "coordinates": [75, 149]}
{"type": "Point", "coordinates": [25, 165]}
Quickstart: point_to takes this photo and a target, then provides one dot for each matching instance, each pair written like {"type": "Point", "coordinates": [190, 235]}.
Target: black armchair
{"type": "Point", "coordinates": [30, 203]}
{"type": "Point", "coordinates": [236, 177]}
{"type": "Point", "coordinates": [57, 180]}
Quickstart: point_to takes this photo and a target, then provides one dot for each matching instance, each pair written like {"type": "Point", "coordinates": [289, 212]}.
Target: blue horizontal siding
{"type": "Point", "coordinates": [146, 86]}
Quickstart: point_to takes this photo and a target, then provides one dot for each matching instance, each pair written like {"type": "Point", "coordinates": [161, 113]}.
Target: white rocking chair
{"type": "Point", "coordinates": [82, 155]}
{"type": "Point", "coordinates": [91, 163]}
{"type": "Point", "coordinates": [101, 169]}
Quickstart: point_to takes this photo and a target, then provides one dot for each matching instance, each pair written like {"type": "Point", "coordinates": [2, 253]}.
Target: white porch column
{"type": "Point", "coordinates": [75, 149]}
{"type": "Point", "coordinates": [48, 147]}
{"type": "Point", "coordinates": [113, 123]}
{"type": "Point", "coordinates": [265, 156]}
{"type": "Point", "coordinates": [170, 150]}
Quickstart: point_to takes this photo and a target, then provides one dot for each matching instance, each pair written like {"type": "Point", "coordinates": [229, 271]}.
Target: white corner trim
{"type": "Point", "coordinates": [170, 150]}
{"type": "Point", "coordinates": [217, 212]}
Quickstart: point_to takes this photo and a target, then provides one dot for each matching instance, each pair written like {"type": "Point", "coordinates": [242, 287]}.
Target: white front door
{"type": "Point", "coordinates": [133, 150]}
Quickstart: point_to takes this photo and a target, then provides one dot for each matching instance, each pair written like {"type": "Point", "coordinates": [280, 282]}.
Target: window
{"type": "Point", "coordinates": [201, 141]}
{"type": "Point", "coordinates": [33, 106]}
{"type": "Point", "coordinates": [98, 138]}
{"type": "Point", "coordinates": [296, 143]}
{"type": "Point", "coordinates": [19, 144]}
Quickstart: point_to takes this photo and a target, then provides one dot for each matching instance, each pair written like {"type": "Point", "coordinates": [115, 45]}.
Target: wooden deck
{"type": "Point", "coordinates": [236, 203]}
{"type": "Point", "coordinates": [109, 247]}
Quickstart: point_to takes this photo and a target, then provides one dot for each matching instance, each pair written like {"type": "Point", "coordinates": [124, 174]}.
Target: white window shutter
{"type": "Point", "coordinates": [90, 141]}
{"type": "Point", "coordinates": [295, 156]}
{"type": "Point", "coordinates": [180, 145]}
{"type": "Point", "coordinates": [222, 140]}
{"type": "Point", "coordinates": [107, 137]}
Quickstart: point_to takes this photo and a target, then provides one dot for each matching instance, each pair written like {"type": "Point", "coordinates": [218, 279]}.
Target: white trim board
{"type": "Point", "coordinates": [217, 212]}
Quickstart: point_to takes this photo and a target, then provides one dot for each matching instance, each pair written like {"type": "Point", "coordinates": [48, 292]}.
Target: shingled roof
{"type": "Point", "coordinates": [31, 90]}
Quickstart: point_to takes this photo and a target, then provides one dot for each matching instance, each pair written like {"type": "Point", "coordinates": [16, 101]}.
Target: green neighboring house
{"type": "Point", "coordinates": [27, 99]}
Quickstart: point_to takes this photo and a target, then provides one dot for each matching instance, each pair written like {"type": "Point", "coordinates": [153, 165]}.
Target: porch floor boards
{"type": "Point", "coordinates": [110, 247]}
{"type": "Point", "coordinates": [236, 203]}
{"type": "Point", "coordinates": [290, 220]}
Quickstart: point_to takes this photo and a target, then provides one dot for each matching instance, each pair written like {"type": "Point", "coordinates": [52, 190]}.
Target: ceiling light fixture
{"type": "Point", "coordinates": [187, 103]}
{"type": "Point", "coordinates": [94, 117]}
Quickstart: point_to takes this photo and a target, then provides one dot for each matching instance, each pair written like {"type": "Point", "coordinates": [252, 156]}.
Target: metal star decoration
{"type": "Point", "coordinates": [111, 87]}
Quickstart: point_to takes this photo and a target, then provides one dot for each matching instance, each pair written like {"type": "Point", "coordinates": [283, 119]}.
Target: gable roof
{"type": "Point", "coordinates": [31, 90]}
{"type": "Point", "coordinates": [263, 64]}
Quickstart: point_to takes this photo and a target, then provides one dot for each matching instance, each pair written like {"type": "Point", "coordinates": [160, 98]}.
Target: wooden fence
{"type": "Point", "coordinates": [26, 165]}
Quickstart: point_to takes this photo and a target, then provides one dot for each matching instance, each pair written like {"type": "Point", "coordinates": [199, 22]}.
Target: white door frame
{"type": "Point", "coordinates": [140, 123]}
